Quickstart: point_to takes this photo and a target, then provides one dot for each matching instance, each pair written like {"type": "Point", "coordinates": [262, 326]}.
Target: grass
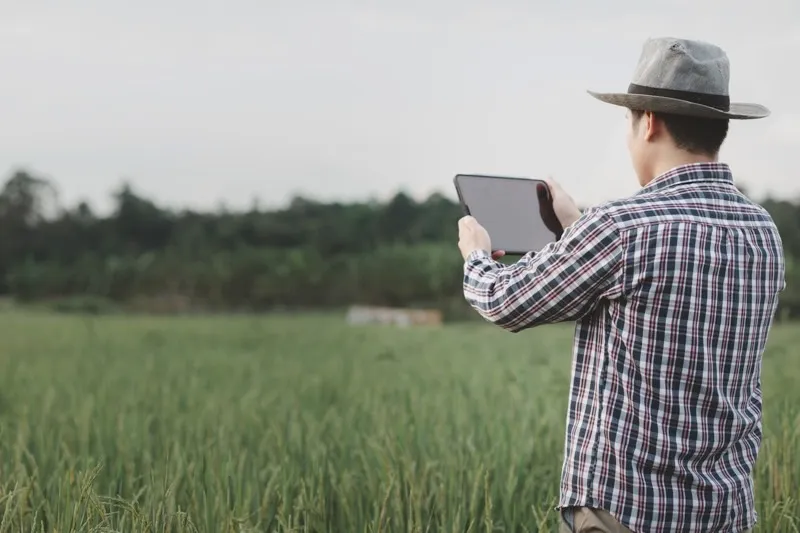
{"type": "Point", "coordinates": [304, 424]}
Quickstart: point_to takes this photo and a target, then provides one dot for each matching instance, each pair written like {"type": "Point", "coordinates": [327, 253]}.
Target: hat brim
{"type": "Point", "coordinates": [663, 104]}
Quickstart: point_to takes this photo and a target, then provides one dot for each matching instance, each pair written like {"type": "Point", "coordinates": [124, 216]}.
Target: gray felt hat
{"type": "Point", "coordinates": [683, 77]}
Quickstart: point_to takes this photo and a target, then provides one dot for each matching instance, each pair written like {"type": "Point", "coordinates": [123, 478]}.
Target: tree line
{"type": "Point", "coordinates": [307, 255]}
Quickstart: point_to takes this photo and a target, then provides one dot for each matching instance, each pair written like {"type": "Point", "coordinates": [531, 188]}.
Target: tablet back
{"type": "Point", "coordinates": [517, 212]}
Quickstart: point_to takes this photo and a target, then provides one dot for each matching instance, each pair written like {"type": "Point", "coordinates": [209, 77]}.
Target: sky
{"type": "Point", "coordinates": [200, 103]}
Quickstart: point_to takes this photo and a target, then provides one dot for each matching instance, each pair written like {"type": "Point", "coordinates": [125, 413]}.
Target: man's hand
{"type": "Point", "coordinates": [472, 236]}
{"type": "Point", "coordinates": [563, 205]}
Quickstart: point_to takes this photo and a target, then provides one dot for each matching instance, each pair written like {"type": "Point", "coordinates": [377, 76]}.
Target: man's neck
{"type": "Point", "coordinates": [680, 159]}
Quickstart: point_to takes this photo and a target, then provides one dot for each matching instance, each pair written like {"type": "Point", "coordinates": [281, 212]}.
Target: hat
{"type": "Point", "coordinates": [682, 77]}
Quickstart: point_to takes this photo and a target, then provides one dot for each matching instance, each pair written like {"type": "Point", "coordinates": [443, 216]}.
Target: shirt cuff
{"type": "Point", "coordinates": [478, 255]}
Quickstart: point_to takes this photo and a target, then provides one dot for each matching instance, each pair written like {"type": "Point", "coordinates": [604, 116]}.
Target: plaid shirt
{"type": "Point", "coordinates": [674, 291]}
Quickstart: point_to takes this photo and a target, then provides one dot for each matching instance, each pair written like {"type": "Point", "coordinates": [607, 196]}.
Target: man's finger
{"type": "Point", "coordinates": [556, 188]}
{"type": "Point", "coordinates": [497, 254]}
{"type": "Point", "coordinates": [466, 221]}
{"type": "Point", "coordinates": [551, 183]}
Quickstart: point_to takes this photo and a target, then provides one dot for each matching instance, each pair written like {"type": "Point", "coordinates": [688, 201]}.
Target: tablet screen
{"type": "Point", "coordinates": [517, 217]}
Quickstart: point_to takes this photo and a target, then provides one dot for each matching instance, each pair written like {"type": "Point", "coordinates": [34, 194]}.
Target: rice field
{"type": "Point", "coordinates": [303, 424]}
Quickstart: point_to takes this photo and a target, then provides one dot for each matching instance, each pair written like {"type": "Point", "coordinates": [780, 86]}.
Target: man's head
{"type": "Point", "coordinates": [659, 141]}
{"type": "Point", "coordinates": [680, 106]}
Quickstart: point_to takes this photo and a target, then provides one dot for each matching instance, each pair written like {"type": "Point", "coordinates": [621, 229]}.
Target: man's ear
{"type": "Point", "coordinates": [650, 125]}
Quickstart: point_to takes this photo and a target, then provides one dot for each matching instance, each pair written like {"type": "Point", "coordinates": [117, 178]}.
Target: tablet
{"type": "Point", "coordinates": [517, 212]}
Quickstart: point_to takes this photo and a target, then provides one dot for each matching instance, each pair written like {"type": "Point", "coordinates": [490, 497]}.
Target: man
{"type": "Point", "coordinates": [674, 291]}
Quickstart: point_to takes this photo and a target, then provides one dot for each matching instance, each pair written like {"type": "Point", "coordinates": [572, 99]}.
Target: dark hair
{"type": "Point", "coordinates": [693, 134]}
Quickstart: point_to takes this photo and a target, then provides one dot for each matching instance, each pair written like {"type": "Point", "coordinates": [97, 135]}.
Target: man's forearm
{"type": "Point", "coordinates": [562, 282]}
{"type": "Point", "coordinates": [501, 294]}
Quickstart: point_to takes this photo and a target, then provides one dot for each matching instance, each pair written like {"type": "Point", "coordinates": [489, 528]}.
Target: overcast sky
{"type": "Point", "coordinates": [197, 102]}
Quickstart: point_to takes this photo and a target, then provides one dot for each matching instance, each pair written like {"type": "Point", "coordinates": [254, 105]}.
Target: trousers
{"type": "Point", "coordinates": [589, 520]}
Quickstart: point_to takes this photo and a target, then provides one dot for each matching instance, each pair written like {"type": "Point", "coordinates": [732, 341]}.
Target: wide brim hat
{"type": "Point", "coordinates": [683, 77]}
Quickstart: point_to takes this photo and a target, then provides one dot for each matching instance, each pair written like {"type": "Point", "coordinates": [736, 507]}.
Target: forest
{"type": "Point", "coordinates": [305, 256]}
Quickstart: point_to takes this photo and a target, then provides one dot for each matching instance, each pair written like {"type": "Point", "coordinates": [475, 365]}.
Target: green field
{"type": "Point", "coordinates": [305, 424]}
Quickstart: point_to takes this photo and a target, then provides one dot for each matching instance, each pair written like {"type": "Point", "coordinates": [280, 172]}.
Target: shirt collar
{"type": "Point", "coordinates": [690, 173]}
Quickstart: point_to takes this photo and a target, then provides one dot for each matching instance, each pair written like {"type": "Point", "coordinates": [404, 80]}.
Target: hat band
{"type": "Point", "coordinates": [716, 101]}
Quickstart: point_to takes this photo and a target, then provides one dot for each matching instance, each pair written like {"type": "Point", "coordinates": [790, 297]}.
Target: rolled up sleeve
{"type": "Point", "coordinates": [564, 281]}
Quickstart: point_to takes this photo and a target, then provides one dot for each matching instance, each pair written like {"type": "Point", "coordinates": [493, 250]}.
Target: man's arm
{"type": "Point", "coordinates": [562, 282]}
